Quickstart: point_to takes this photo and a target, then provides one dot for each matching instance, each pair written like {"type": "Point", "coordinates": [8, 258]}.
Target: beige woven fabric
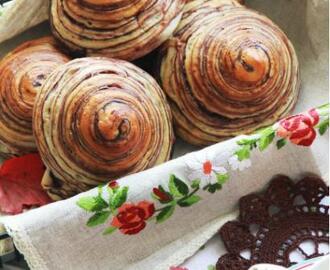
{"type": "Point", "coordinates": [56, 237]}
{"type": "Point", "coordinates": [20, 15]}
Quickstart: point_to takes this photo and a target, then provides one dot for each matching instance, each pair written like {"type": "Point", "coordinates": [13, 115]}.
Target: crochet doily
{"type": "Point", "coordinates": [273, 226]}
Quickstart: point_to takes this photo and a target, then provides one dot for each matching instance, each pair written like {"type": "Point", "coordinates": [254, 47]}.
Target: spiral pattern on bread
{"type": "Point", "coordinates": [227, 70]}
{"type": "Point", "coordinates": [22, 73]}
{"type": "Point", "coordinates": [97, 119]}
{"type": "Point", "coordinates": [121, 29]}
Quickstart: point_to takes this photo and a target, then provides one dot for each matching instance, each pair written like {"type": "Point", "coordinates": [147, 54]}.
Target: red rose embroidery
{"type": "Point", "coordinates": [131, 217]}
{"type": "Point", "coordinates": [299, 129]}
{"type": "Point", "coordinates": [163, 197]}
{"type": "Point", "coordinates": [178, 268]}
{"type": "Point", "coordinates": [113, 184]}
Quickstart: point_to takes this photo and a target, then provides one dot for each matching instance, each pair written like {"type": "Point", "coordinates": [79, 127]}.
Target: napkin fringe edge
{"type": "Point", "coordinates": [24, 245]}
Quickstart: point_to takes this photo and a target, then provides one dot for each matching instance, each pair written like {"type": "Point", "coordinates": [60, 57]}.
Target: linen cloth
{"type": "Point", "coordinates": [19, 15]}
{"type": "Point", "coordinates": [56, 237]}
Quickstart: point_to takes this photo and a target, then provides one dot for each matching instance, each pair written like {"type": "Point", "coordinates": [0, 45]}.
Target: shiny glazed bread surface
{"type": "Point", "coordinates": [97, 119]}
{"type": "Point", "coordinates": [124, 29]}
{"type": "Point", "coordinates": [227, 70]}
{"type": "Point", "coordinates": [22, 73]}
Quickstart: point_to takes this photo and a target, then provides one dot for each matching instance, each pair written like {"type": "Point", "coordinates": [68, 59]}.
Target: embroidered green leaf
{"type": "Point", "coordinates": [280, 143]}
{"type": "Point", "coordinates": [189, 201]}
{"type": "Point", "coordinates": [165, 213]}
{"type": "Point", "coordinates": [212, 188]}
{"type": "Point", "coordinates": [243, 153]}
{"type": "Point", "coordinates": [323, 110]}
{"type": "Point", "coordinates": [100, 189]}
{"type": "Point", "coordinates": [323, 126]}
{"type": "Point", "coordinates": [195, 183]}
{"type": "Point", "coordinates": [222, 178]}
{"type": "Point", "coordinates": [177, 187]}
{"type": "Point", "coordinates": [211, 267]}
{"type": "Point", "coordinates": [109, 230]}
{"type": "Point", "coordinates": [98, 218]}
{"type": "Point", "coordinates": [92, 204]}
{"type": "Point", "coordinates": [266, 140]}
{"type": "Point", "coordinates": [247, 141]}
{"type": "Point", "coordinates": [118, 198]}
{"type": "Point", "coordinates": [265, 131]}
{"type": "Point", "coordinates": [110, 192]}
{"type": "Point", "coordinates": [87, 203]}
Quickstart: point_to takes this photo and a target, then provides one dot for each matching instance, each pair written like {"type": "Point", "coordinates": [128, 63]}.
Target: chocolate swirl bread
{"type": "Point", "coordinates": [123, 29]}
{"type": "Point", "coordinates": [22, 72]}
{"type": "Point", "coordinates": [227, 70]}
{"type": "Point", "coordinates": [97, 119]}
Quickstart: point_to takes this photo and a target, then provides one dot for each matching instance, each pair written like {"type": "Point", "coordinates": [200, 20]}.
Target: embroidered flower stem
{"type": "Point", "coordinates": [189, 195]}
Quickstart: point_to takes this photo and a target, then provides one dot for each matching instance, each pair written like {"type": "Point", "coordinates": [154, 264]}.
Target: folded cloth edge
{"type": "Point", "coordinates": [31, 255]}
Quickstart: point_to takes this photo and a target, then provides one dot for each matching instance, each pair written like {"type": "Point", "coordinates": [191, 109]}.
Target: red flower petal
{"type": "Point", "coordinates": [161, 195]}
{"type": "Point", "coordinates": [293, 122]}
{"type": "Point", "coordinates": [315, 116]}
{"type": "Point", "coordinates": [148, 207]}
{"type": "Point", "coordinates": [116, 223]}
{"type": "Point", "coordinates": [300, 133]}
{"type": "Point", "coordinates": [20, 184]}
{"type": "Point", "coordinates": [113, 184]}
{"type": "Point", "coordinates": [134, 230]}
{"type": "Point", "coordinates": [132, 215]}
{"type": "Point", "coordinates": [282, 132]}
{"type": "Point", "coordinates": [125, 207]}
{"type": "Point", "coordinates": [307, 140]}
{"type": "Point", "coordinates": [299, 128]}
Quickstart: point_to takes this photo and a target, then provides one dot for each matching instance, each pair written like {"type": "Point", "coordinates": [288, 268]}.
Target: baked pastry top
{"type": "Point", "coordinates": [227, 70]}
{"type": "Point", "coordinates": [123, 29]}
{"type": "Point", "coordinates": [96, 119]}
{"type": "Point", "coordinates": [22, 73]}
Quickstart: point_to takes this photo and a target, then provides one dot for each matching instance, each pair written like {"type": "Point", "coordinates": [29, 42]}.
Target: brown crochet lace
{"type": "Point", "coordinates": [274, 224]}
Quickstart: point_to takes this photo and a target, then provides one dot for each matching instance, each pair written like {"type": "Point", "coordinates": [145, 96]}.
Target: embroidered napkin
{"type": "Point", "coordinates": [159, 217]}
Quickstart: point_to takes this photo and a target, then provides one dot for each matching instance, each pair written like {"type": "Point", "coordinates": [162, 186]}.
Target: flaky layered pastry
{"type": "Point", "coordinates": [22, 72]}
{"type": "Point", "coordinates": [97, 119]}
{"type": "Point", "coordinates": [122, 29]}
{"type": "Point", "coordinates": [227, 70]}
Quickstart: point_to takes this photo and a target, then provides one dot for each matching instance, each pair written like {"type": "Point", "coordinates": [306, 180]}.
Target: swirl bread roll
{"type": "Point", "coordinates": [96, 119]}
{"type": "Point", "coordinates": [22, 72]}
{"type": "Point", "coordinates": [123, 29]}
{"type": "Point", "coordinates": [227, 70]}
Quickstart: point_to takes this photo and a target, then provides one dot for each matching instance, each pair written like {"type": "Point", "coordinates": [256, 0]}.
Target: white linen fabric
{"type": "Point", "coordinates": [19, 15]}
{"type": "Point", "coordinates": [56, 237]}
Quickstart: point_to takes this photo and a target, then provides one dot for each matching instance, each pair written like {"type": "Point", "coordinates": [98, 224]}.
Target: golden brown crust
{"type": "Point", "coordinates": [22, 73]}
{"type": "Point", "coordinates": [97, 119]}
{"type": "Point", "coordinates": [122, 29]}
{"type": "Point", "coordinates": [227, 70]}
